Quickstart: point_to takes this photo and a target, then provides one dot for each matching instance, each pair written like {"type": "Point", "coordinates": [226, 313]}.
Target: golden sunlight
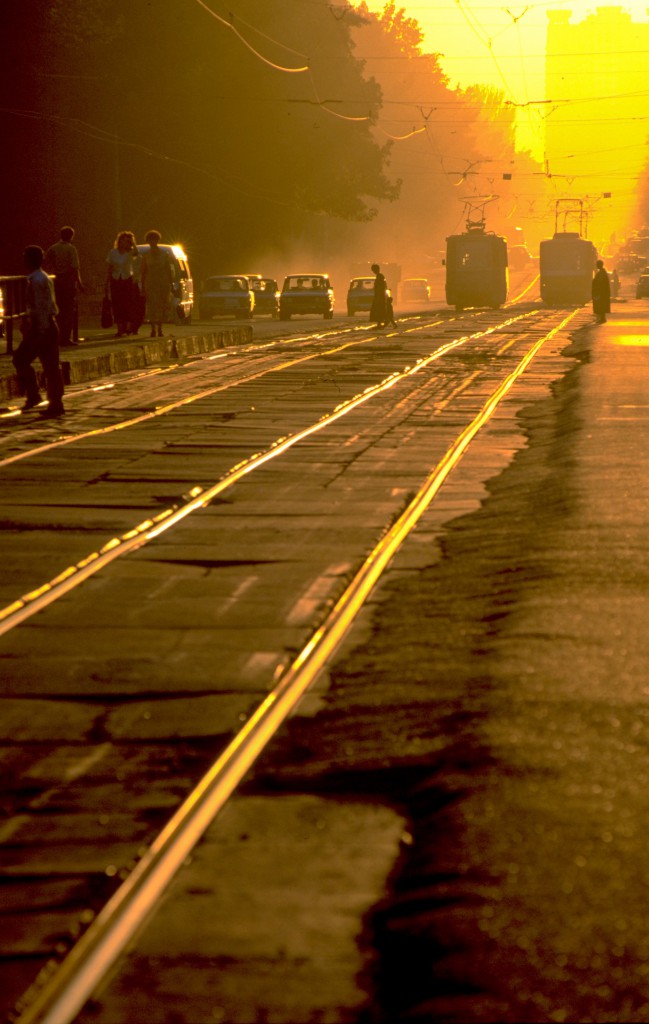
{"type": "Point", "coordinates": [578, 76]}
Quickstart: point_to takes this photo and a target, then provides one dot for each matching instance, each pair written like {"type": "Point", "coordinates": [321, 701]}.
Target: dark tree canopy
{"type": "Point", "coordinates": [155, 113]}
{"type": "Point", "coordinates": [138, 114]}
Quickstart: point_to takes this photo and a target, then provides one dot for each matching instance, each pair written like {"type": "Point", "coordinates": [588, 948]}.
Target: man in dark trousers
{"type": "Point", "coordinates": [40, 338]}
{"type": "Point", "coordinates": [601, 292]}
{"type": "Point", "coordinates": [62, 260]}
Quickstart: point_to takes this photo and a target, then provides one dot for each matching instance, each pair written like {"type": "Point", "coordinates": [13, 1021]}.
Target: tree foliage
{"type": "Point", "coordinates": [450, 145]}
{"type": "Point", "coordinates": [198, 121]}
{"type": "Point", "coordinates": [135, 114]}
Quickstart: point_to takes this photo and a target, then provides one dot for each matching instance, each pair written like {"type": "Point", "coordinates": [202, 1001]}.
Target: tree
{"type": "Point", "coordinates": [137, 114]}
{"type": "Point", "coordinates": [448, 145]}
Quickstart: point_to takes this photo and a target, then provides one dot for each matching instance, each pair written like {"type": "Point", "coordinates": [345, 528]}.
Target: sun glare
{"type": "Point", "coordinates": [578, 75]}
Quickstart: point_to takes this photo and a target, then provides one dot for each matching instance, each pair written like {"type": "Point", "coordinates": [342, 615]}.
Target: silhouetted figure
{"type": "Point", "coordinates": [601, 293]}
{"type": "Point", "coordinates": [378, 311]}
{"type": "Point", "coordinates": [156, 280]}
{"type": "Point", "coordinates": [615, 284]}
{"type": "Point", "coordinates": [120, 281]}
{"type": "Point", "coordinates": [40, 338]}
{"type": "Point", "coordinates": [62, 260]}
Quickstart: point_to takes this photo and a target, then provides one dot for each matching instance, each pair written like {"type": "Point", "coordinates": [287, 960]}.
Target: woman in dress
{"type": "Point", "coordinates": [601, 293]}
{"type": "Point", "coordinates": [119, 281]}
{"type": "Point", "coordinates": [156, 280]}
{"type": "Point", "coordinates": [379, 312]}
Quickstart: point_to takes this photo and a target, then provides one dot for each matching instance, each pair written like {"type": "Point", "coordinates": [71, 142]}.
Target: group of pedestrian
{"type": "Point", "coordinates": [138, 284]}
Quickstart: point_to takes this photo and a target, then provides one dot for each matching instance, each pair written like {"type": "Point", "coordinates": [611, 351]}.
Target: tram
{"type": "Point", "coordinates": [476, 267]}
{"type": "Point", "coordinates": [567, 260]}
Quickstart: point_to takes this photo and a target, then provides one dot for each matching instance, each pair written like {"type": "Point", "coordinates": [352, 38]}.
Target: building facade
{"type": "Point", "coordinates": [597, 123]}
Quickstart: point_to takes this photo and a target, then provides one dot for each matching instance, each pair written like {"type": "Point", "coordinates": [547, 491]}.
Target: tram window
{"type": "Point", "coordinates": [475, 258]}
{"type": "Point", "coordinates": [468, 258]}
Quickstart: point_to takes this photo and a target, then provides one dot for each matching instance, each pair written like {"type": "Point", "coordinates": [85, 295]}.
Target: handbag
{"type": "Point", "coordinates": [106, 312]}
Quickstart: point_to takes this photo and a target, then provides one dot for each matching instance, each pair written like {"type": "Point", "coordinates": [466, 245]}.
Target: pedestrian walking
{"type": "Point", "coordinates": [120, 285]}
{"type": "Point", "coordinates": [156, 282]}
{"type": "Point", "coordinates": [601, 293]}
{"type": "Point", "coordinates": [62, 260]}
{"type": "Point", "coordinates": [40, 338]}
{"type": "Point", "coordinates": [378, 311]}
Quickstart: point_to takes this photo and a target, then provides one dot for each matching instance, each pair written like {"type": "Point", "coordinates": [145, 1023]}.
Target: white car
{"type": "Point", "coordinates": [306, 293]}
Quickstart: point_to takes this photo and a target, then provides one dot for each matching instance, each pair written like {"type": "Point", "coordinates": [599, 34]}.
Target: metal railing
{"type": "Point", "coordinates": [13, 291]}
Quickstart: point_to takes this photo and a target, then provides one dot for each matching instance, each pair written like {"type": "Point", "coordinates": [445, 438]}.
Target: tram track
{"type": "Point", "coordinates": [238, 379]}
{"type": "Point", "coordinates": [166, 407]}
{"type": "Point", "coordinates": [70, 577]}
{"type": "Point", "coordinates": [57, 1003]}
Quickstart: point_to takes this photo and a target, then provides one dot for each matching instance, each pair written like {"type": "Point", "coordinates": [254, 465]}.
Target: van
{"type": "Point", "coordinates": [182, 298]}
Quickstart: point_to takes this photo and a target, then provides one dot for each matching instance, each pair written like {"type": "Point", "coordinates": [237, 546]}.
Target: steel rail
{"type": "Point", "coordinates": [88, 963]}
{"type": "Point", "coordinates": [526, 289]}
{"type": "Point", "coordinates": [30, 604]}
{"type": "Point", "coordinates": [171, 406]}
{"type": "Point", "coordinates": [207, 392]}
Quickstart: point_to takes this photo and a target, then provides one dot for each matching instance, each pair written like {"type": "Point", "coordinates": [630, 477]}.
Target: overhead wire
{"type": "Point", "coordinates": [260, 56]}
{"type": "Point", "coordinates": [485, 40]}
{"type": "Point", "coordinates": [278, 67]}
{"type": "Point", "coordinates": [400, 138]}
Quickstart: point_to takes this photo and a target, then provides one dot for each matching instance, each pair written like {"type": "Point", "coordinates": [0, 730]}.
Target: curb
{"type": "Point", "coordinates": [134, 355]}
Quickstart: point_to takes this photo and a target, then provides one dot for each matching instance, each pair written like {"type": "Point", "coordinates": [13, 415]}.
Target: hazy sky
{"type": "Point", "coordinates": [499, 44]}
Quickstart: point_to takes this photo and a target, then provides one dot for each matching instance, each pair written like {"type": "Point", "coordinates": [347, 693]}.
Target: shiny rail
{"type": "Point", "coordinates": [61, 998]}
{"type": "Point", "coordinates": [37, 600]}
{"type": "Point", "coordinates": [168, 407]}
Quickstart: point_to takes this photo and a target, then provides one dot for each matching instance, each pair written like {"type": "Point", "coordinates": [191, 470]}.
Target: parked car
{"type": "Point", "coordinates": [227, 294]}
{"type": "Point", "coordinates": [360, 295]}
{"type": "Point", "coordinates": [306, 293]}
{"type": "Point", "coordinates": [642, 287]}
{"type": "Point", "coordinates": [266, 291]}
{"type": "Point", "coordinates": [414, 289]}
{"type": "Point", "coordinates": [182, 299]}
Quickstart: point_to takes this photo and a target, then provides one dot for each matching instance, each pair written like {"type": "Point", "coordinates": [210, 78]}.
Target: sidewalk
{"type": "Point", "coordinates": [100, 353]}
